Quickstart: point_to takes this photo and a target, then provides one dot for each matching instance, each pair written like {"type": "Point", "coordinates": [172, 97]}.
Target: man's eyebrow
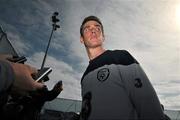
{"type": "Point", "coordinates": [97, 25]}
{"type": "Point", "coordinates": [86, 26]}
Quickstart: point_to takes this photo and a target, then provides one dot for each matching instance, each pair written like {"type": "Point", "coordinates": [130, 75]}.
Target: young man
{"type": "Point", "coordinates": [114, 86]}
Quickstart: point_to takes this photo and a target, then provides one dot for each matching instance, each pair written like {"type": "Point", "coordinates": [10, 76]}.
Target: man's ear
{"type": "Point", "coordinates": [103, 38]}
{"type": "Point", "coordinates": [82, 40]}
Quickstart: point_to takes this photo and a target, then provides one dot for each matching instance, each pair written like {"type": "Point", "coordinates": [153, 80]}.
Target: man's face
{"type": "Point", "coordinates": [92, 35]}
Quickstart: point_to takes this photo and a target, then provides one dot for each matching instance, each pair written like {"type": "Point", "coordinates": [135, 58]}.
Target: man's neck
{"type": "Point", "coordinates": [94, 52]}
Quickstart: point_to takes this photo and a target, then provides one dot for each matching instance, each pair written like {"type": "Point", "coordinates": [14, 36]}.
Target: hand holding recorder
{"type": "Point", "coordinates": [23, 81]}
{"type": "Point", "coordinates": [22, 75]}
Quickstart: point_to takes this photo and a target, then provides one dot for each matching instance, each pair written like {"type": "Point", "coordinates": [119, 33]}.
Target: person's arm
{"type": "Point", "coordinates": [143, 96]}
{"type": "Point", "coordinates": [140, 91]}
{"type": "Point", "coordinates": [6, 76]}
{"type": "Point", "coordinates": [19, 76]}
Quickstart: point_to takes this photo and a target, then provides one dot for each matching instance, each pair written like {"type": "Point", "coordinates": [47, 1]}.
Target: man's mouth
{"type": "Point", "coordinates": [93, 38]}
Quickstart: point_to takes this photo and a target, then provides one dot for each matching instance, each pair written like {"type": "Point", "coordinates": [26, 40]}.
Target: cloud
{"type": "Point", "coordinates": [147, 29]}
{"type": "Point", "coordinates": [169, 93]}
{"type": "Point", "coordinates": [18, 44]}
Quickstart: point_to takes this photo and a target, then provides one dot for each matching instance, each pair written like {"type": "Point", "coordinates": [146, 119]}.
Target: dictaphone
{"type": "Point", "coordinates": [42, 74]}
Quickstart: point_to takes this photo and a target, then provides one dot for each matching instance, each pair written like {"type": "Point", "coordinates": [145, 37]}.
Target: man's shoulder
{"type": "Point", "coordinates": [115, 57]}
{"type": "Point", "coordinates": [122, 56]}
{"type": "Point", "coordinates": [122, 52]}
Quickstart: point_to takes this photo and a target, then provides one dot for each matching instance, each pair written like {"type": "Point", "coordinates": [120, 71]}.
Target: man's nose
{"type": "Point", "coordinates": [93, 30]}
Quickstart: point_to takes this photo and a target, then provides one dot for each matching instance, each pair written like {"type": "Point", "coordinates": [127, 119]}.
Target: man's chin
{"type": "Point", "coordinates": [94, 45]}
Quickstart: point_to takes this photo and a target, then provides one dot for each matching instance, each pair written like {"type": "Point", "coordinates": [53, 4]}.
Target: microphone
{"type": "Point", "coordinates": [55, 26]}
{"type": "Point", "coordinates": [54, 19]}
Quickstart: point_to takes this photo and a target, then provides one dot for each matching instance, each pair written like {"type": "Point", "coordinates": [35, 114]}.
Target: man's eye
{"type": "Point", "coordinates": [98, 29]}
{"type": "Point", "coordinates": [86, 29]}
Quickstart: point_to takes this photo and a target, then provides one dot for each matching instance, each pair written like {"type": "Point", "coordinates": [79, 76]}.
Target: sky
{"type": "Point", "coordinates": [148, 29]}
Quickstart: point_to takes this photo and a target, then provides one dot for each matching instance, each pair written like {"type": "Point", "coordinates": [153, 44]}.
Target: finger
{"type": "Point", "coordinates": [16, 91]}
{"type": "Point", "coordinates": [31, 69]}
{"type": "Point", "coordinates": [5, 57]}
{"type": "Point", "coordinates": [34, 70]}
{"type": "Point", "coordinates": [38, 85]}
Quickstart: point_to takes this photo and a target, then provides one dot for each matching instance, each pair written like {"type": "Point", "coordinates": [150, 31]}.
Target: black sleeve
{"type": "Point", "coordinates": [6, 76]}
